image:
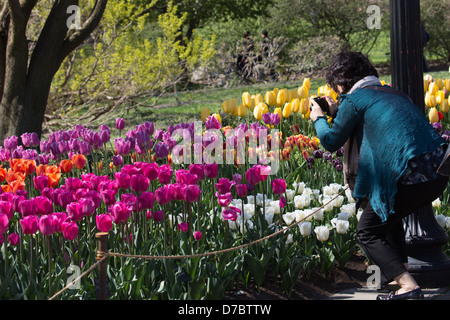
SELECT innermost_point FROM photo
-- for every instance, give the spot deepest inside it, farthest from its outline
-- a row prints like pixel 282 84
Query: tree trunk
pixel 27 82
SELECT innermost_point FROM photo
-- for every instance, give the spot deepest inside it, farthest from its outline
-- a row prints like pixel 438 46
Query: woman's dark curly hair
pixel 347 68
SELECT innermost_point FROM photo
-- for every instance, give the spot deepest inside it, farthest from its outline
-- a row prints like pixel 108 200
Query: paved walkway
pixel 371 294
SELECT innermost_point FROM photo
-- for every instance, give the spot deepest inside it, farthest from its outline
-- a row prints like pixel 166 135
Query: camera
pixel 323 104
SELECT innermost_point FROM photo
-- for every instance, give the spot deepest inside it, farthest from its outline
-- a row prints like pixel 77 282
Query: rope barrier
pixel 147 257
pixel 105 255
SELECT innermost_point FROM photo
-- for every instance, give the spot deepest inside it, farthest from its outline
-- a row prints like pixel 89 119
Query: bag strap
pixel 390 90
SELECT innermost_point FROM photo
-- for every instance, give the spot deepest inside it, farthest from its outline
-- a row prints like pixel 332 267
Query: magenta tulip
pixel 162 195
pixel 165 174
pixel 150 170
pixel 47 225
pixel 252 176
pixel 74 211
pixel 224 199
pixel 224 185
pixel 6 207
pixel 43 205
pixel 40 182
pixel 29 224
pixel 120 212
pixel 282 202
pixel 197 169
pixel 241 190
pixel 278 186
pixel 59 218
pixel 108 197
pixel 158 215
pixel 146 200
pixel 139 183
pixel 211 170
pixel 198 235
pixel 69 229
pixel 87 206
pixel 230 213
pixel 120 123
pixel 190 192
pixel 183 227
pixel 123 180
pixel 13 239
pixel 104 222
pixel 4 222
pixel 27 207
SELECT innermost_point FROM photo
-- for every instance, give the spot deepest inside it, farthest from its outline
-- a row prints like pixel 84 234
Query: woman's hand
pixel 333 105
pixel 316 111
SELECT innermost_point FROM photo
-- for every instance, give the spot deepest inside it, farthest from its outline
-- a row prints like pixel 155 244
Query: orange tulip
pixel 17 185
pixel 2 174
pixel 66 165
pixel 79 161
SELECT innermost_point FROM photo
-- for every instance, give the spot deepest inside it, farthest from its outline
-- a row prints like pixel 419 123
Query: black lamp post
pixel 424 237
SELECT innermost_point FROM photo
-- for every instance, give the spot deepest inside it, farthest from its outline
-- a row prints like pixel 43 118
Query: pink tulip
pixel 146 200
pixel 175 191
pixel 4 222
pixel 69 229
pixel 29 224
pixel 150 170
pixel 211 170
pixel 282 202
pixel 108 197
pixel 278 186
pixel 104 222
pixel 252 176
pixel 130 200
pixel 47 225
pixel 190 192
pixel 139 183
pixel 120 213
pixel 120 123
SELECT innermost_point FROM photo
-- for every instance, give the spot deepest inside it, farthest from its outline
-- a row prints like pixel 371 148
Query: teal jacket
pixel 391 130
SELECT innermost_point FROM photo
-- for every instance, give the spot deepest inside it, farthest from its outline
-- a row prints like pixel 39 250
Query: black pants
pixel 384 243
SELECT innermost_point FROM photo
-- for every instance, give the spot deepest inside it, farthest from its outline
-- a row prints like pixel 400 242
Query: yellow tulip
pixel 447 84
pixel 293 94
pixel 307 83
pixel 445 106
pixel 439 83
pixel 302 92
pixel 287 110
pixel 304 106
pixel 246 99
pixel 204 114
pixel 217 116
pixel 433 115
pixel 226 106
pixel 232 107
pixel 270 98
pixel 258 99
pixel 430 100
pixel 432 88
pixel 278 110
pixel 241 111
pixel 258 112
pixel 252 103
pixel 264 107
pixel 440 96
pixel 281 98
pixel 295 105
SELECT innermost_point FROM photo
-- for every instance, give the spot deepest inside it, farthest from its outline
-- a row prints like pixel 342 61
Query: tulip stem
pixel 5 252
pixel 49 255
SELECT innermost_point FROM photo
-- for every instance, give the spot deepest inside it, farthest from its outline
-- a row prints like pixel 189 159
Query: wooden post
pixel 102 269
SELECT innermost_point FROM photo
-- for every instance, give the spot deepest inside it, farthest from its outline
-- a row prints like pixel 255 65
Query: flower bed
pixel 238 176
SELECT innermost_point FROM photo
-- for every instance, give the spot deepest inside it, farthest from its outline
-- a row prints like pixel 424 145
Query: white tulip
pixel 302 201
pixel 343 216
pixel 318 215
pixel 349 208
pixel 322 233
pixel 441 220
pixel 447 222
pixel 305 228
pixel 338 201
pixel 327 191
pixel 290 194
pixel 288 217
pixel 299 187
pixel 341 226
pixel 359 213
pixel 436 203
pixel 335 187
pixel 349 196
